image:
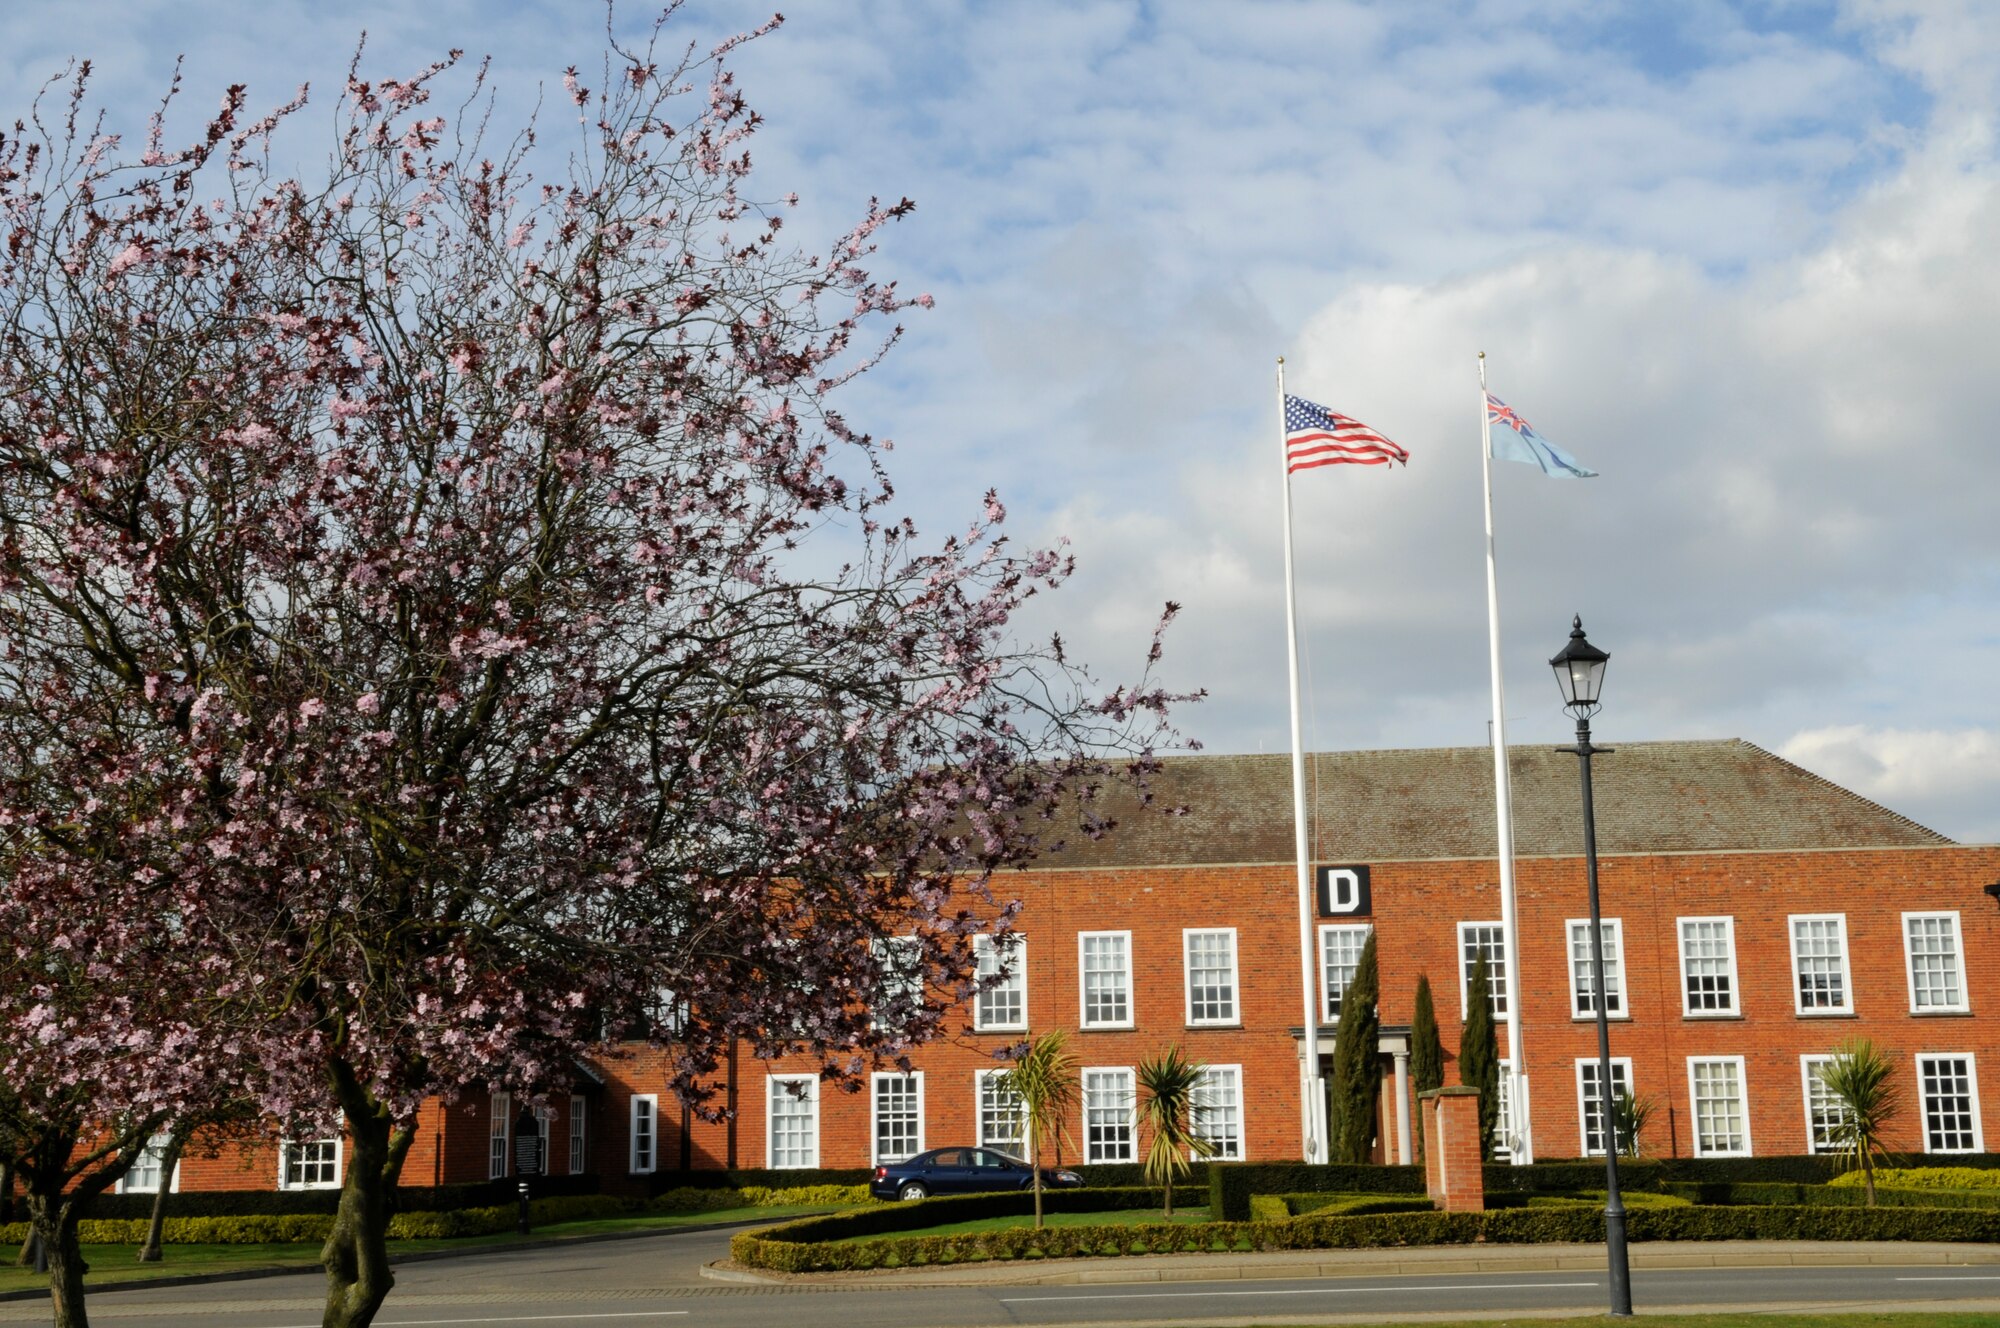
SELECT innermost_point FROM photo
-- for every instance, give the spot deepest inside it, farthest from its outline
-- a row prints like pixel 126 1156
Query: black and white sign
pixel 1343 891
pixel 528 1146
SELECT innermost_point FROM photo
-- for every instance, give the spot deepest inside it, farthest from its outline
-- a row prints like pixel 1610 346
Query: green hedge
pixel 1352 1205
pixel 1925 1178
pixel 1230 1184
pixel 270 1203
pixel 1831 1196
pixel 660 1182
pixel 484 1220
pixel 806 1247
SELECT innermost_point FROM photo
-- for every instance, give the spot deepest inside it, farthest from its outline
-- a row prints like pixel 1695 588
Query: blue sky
pixel 1736 257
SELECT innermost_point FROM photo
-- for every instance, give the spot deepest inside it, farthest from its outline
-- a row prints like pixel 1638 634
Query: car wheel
pixel 910 1193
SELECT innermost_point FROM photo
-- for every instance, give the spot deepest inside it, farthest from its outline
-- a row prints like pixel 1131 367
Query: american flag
pixel 1316 436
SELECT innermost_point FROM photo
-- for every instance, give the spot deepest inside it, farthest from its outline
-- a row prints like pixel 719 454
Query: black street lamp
pixel 1580 674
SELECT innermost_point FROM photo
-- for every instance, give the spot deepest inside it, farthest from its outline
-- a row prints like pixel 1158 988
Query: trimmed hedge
pixel 660 1182
pixel 1924 1178
pixel 1353 1205
pixel 271 1203
pixel 1807 1169
pixel 805 1246
pixel 1230 1184
pixel 1831 1196
pixel 484 1220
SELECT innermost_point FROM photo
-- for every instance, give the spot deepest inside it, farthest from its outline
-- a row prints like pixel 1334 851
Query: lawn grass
pixel 110 1264
pixel 1122 1217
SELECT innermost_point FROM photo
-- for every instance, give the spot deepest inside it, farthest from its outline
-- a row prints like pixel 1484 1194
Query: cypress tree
pixel 1357 1068
pixel 1426 1052
pixel 1479 1055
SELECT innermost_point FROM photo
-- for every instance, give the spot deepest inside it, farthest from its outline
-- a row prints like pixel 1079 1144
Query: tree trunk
pixel 150 1251
pixel 356 1253
pixel 54 1219
pixel 1035 1165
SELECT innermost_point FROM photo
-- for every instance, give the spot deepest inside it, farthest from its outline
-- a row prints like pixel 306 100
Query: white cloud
pixel 1953 774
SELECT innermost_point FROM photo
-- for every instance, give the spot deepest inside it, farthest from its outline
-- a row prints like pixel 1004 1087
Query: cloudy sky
pixel 1737 257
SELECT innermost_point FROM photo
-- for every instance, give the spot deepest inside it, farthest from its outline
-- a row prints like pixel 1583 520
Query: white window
pixel 1003 1005
pixel 1217 1111
pixel 900 959
pixel 1211 975
pixel 1949 1087
pixel 1721 1114
pixel 1487 940
pixel 499 1119
pixel 1503 1119
pixel 1108 1133
pixel 1339 956
pixel 145 1174
pixel 645 1156
pixel 1821 983
pixel 1708 966
pixel 896 1114
pixel 1002 1124
pixel 1590 1101
pixel 309 1164
pixel 1105 958
pixel 794 1121
pixel 579 1154
pixel 1824 1114
pixel 1930 943
pixel 667 1013
pixel 1583 969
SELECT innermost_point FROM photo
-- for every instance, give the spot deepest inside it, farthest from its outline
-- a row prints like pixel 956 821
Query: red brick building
pixel 1755 916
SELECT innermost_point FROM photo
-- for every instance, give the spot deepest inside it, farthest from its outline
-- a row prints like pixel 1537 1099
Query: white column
pixel 1403 1107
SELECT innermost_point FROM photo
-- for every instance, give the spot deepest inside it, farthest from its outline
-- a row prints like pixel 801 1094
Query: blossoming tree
pixel 513 627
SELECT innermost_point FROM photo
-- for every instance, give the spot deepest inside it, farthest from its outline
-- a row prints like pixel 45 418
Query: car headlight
pixel 1069 1177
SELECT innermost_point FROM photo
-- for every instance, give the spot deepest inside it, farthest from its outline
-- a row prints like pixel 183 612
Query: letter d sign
pixel 1343 892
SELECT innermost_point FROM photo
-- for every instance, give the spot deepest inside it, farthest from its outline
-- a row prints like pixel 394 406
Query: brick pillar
pixel 1453 1167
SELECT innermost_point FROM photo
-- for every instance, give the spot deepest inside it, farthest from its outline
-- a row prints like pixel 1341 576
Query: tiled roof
pixel 1651 797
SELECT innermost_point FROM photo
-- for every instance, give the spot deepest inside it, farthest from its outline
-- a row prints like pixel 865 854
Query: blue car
pixel 962 1171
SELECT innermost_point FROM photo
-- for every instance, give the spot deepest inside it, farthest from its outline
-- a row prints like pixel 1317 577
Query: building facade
pixel 1755 917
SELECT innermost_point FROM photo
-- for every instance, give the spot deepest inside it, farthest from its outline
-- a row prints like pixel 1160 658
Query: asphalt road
pixel 657 1281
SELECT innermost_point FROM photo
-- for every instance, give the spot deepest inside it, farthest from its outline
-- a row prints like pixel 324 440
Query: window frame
pixel 1614 970
pixel 499 1133
pixel 1083 981
pixel 285 1147
pixel 1807 1062
pixel 1497 978
pixel 1242 1152
pixel 1017 1146
pixel 875 1154
pixel 156 1148
pixel 651 1102
pixel 1743 1101
pixel 1131 1092
pixel 1972 1092
pixel 1234 1019
pixel 1964 1004
pixel 579 1134
pixel 892 980
pixel 1590 1063
pixel 1799 1007
pixel 771 1082
pixel 1017 979
pixel 1735 1008
pixel 1328 1012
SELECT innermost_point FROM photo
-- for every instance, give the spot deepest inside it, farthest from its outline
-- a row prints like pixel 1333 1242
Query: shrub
pixel 1351 1205
pixel 1829 1195
pixel 1266 1208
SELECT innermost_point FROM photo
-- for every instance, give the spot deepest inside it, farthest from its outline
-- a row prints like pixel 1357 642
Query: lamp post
pixel 1580 674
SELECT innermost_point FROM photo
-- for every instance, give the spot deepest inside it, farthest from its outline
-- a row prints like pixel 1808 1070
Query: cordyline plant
pixel 496 623
pixel 1170 1110
pixel 1862 1080
pixel 1042 1080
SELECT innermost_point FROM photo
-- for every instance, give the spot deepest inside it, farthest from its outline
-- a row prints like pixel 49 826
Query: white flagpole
pixel 1514 1084
pixel 1311 1107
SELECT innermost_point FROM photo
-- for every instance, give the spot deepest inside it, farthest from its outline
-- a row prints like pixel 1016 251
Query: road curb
pixel 1439 1261
pixel 422 1256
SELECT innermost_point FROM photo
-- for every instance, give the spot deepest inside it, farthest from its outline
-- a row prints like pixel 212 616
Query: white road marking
pixel 1973 1278
pixel 1309 1291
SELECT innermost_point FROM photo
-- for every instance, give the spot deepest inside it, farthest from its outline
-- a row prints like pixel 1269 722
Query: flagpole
pixel 1311 1108
pixel 1514 1084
